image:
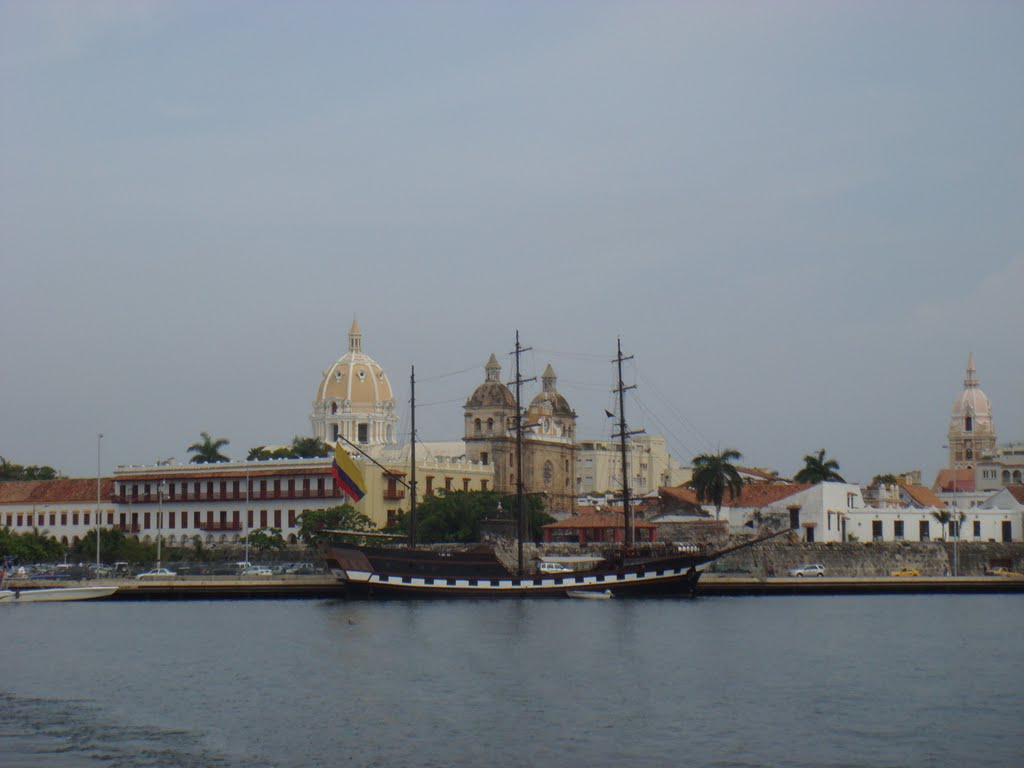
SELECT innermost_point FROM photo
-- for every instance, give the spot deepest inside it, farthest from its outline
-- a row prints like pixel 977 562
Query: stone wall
pixel 874 558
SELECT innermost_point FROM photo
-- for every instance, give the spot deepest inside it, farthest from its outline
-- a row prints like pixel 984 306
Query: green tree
pixel 115 545
pixel 818 470
pixel 313 523
pixel 309 448
pixel 262 539
pixel 11 471
pixel 455 516
pixel 33 546
pixel 887 480
pixel 944 517
pixel 207 450
pixel 714 476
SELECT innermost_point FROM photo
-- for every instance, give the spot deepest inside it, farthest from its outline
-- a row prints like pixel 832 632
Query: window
pixel 430 486
pixel 923 531
pixel 851 499
pixel 170 520
pixel 476 426
pixel 263 518
pixel 146 520
pixel 1007 531
pixel 484 458
pixel 249 518
pixel 291 518
pixel 968 424
pixel 465 483
pixel 363 435
pixel 483 485
pixel 277 518
pixel 876 530
pixel 897 530
pixel 977 529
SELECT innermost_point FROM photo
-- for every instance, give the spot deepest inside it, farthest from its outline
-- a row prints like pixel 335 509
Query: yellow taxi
pixel 906 572
pixel 1000 571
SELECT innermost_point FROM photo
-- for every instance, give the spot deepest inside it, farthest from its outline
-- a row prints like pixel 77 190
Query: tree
pixel 33 546
pixel 714 475
pixel 945 517
pixel 263 539
pixel 11 471
pixel 455 516
pixel 818 470
pixel 207 450
pixel 887 480
pixel 313 523
pixel 309 448
pixel 261 453
pixel 115 545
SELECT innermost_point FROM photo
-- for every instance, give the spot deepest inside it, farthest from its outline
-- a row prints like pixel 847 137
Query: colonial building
pixel 354 400
pixel 599 466
pixel 549 441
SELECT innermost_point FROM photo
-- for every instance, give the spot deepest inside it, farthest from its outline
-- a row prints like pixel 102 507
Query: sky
pixel 799 218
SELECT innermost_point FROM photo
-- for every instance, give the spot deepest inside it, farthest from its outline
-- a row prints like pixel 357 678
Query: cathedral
pixel 549 439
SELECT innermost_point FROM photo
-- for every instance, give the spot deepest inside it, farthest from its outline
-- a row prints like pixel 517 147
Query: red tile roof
pixel 954 480
pixel 925 497
pixel 1017 491
pixel 55 491
pixel 753 494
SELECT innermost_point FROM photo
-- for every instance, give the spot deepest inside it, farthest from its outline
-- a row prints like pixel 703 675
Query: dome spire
pixel 548 379
pixel 972 372
pixel 355 338
pixel 493 369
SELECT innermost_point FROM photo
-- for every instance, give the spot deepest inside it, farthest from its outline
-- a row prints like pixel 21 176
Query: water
pixel 724 682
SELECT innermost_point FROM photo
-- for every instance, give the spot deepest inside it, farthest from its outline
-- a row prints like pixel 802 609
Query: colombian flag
pixel 347 474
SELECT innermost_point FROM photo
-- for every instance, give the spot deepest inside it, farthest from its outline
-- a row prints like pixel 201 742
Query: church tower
pixel 972 433
pixel 490 427
pixel 354 400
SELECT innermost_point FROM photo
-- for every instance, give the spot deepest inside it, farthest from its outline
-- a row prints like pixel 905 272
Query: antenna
pixel 521 517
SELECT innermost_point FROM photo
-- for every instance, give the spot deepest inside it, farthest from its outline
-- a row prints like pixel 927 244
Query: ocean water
pixel 725 682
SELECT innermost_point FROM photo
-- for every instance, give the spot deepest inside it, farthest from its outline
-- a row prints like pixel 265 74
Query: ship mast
pixel 623 433
pixel 412 459
pixel 521 526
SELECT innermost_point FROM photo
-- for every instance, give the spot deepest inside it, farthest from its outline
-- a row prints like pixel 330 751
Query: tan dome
pixel 355 377
pixel 549 400
pixel 492 393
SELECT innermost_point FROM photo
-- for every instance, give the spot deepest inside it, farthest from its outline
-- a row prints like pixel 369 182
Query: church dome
pixel 354 399
pixel 972 402
pixel 492 393
pixel 549 400
pixel 355 377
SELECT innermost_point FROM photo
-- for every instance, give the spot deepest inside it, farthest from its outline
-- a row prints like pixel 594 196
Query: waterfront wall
pixel 876 559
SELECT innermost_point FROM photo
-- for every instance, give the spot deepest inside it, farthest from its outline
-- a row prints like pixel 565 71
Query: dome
pixel 492 393
pixel 549 400
pixel 972 401
pixel 354 399
pixel 355 378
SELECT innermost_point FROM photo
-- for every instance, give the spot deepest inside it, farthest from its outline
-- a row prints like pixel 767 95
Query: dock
pixel 711 585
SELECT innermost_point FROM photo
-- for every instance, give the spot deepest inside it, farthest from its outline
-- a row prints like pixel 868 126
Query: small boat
pixel 57 594
pixel 588 595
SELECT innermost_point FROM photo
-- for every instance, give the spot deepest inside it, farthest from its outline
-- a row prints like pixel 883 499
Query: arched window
pixel 1006 475
pixel 334 407
pixel 970 454
pixel 968 424
pixel 1016 476
pixel 490 425
pixel 476 426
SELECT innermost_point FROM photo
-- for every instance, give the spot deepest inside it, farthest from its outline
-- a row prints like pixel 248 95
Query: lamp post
pixel 99 438
pixel 161 489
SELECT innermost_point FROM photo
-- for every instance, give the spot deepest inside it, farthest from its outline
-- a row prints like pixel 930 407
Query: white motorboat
pixel 57 594
pixel 590 594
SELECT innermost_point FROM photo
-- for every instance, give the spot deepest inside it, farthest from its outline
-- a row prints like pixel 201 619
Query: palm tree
pixel 714 475
pixel 309 447
pixel 818 470
pixel 945 517
pixel 207 451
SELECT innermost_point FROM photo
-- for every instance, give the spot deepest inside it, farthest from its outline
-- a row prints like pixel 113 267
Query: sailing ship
pixel 377 565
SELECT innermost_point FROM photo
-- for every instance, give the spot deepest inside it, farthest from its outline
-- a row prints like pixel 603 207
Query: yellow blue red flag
pixel 347 474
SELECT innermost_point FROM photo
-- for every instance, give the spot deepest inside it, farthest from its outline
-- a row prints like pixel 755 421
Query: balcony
pixel 394 495
pixel 219 526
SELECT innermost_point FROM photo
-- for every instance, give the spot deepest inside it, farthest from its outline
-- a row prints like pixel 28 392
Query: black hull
pixel 374 573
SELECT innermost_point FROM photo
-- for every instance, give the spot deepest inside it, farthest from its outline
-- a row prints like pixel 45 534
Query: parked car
pixel 545 567
pixel 157 573
pixel 1000 571
pixel 811 569
pixel 906 572
pixel 258 570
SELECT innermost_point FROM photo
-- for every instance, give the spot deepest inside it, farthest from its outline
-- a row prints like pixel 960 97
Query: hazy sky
pixel 799 217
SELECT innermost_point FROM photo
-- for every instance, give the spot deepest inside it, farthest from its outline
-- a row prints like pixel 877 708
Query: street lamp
pixel 161 489
pixel 99 437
